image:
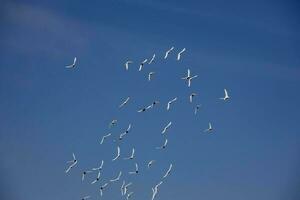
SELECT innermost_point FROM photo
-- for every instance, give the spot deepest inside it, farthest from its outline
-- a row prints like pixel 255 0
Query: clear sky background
pixel 47 112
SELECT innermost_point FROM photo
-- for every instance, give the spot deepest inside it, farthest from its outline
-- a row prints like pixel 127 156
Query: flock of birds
pixel 125 190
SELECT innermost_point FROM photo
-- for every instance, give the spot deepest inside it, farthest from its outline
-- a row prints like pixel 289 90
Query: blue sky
pixel 47 112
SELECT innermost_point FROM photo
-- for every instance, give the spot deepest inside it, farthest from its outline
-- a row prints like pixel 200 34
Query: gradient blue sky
pixel 47 112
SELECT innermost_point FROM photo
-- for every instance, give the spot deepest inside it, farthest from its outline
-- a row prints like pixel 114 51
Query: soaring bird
pixel 84 173
pixel 150 75
pixel 152 59
pixel 118 154
pixel 192 96
pixel 136 169
pixel 197 108
pixel 73 163
pixel 131 156
pixel 142 64
pixel 97 179
pixel 104 137
pixel 102 188
pixel 124 102
pixel 100 167
pixel 168 171
pixel 164 145
pixel 127 64
pixel 209 129
pixel 189 77
pixel 73 64
pixel 126 188
pixel 117 178
pixel 168 52
pixel 123 134
pixel 150 163
pixel 170 102
pixel 226 97
pixel 85 197
pixel 166 128
pixel 113 123
pixel 179 54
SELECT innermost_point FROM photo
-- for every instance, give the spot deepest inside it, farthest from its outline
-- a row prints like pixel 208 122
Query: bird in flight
pixel 170 102
pixel 122 187
pixel 126 188
pixel 129 195
pixel 168 171
pixel 152 59
pixel 166 128
pixel 179 54
pixel 150 75
pixel 85 197
pixel 142 64
pixel 127 64
pixel 104 137
pixel 192 96
pixel 98 178
pixel 117 178
pixel 123 134
pixel 226 97
pixel 189 77
pixel 150 163
pixel 102 188
pixel 73 163
pixel 153 104
pixel 168 52
pixel 72 65
pixel 100 167
pixel 164 145
pixel 209 129
pixel 136 169
pixel 113 123
pixel 197 108
pixel 124 102
pixel 118 154
pixel 131 156
pixel 84 173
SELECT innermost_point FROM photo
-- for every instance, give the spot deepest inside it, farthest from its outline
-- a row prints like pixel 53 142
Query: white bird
pixel 150 75
pixel 126 188
pixel 153 104
pixel 152 59
pixel 122 187
pixel 136 169
pixel 104 137
pixel 85 197
pixel 100 167
pixel 145 108
pixel 179 54
pixel 129 195
pixel 170 102
pixel 98 178
pixel 118 154
pixel 127 64
pixel 142 64
pixel 164 145
pixel 189 77
pixel 131 156
pixel 209 128
pixel 167 52
pixel 154 193
pixel 166 127
pixel 117 178
pixel 226 97
pixel 192 96
pixel 197 108
pixel 124 102
pixel 113 123
pixel 168 171
pixel 73 64
pixel 102 188
pixel 84 173
pixel 150 163
pixel 73 163
pixel 156 186
pixel 123 134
